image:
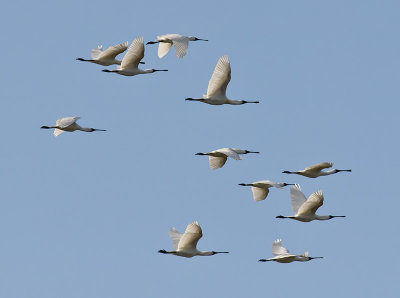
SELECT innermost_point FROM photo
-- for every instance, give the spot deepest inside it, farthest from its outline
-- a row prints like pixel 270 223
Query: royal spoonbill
pixel 185 244
pixel 304 210
pixel 282 255
pixel 107 57
pixel 216 92
pixel 69 124
pixel 180 42
pixel 260 189
pixel 218 157
pixel 315 171
pixel 130 62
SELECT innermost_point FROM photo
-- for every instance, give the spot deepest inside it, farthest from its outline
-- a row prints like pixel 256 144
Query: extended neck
pixel 81 59
pixel 281 216
pixel 244 184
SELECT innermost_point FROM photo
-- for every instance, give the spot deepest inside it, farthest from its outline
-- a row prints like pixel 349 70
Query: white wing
pixel 176 237
pixel 57 132
pixel 297 198
pixel 97 52
pixel 112 51
pixel 65 122
pixel 217 162
pixel 134 55
pixel 220 78
pixel 163 48
pixel 181 46
pixel 312 204
pixel 259 194
pixel 278 249
pixel 319 166
pixel 229 152
pixel 191 236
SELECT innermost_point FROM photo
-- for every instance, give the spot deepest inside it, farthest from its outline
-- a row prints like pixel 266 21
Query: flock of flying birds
pixel 185 245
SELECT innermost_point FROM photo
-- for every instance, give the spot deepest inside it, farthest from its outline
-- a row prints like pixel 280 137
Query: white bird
pixel 260 189
pixel 180 42
pixel 304 209
pixel 315 171
pixel 185 244
pixel 218 157
pixel 282 255
pixel 69 124
pixel 216 92
pixel 107 57
pixel 130 62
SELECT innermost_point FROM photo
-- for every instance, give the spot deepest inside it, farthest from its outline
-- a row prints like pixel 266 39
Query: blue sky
pixel 83 214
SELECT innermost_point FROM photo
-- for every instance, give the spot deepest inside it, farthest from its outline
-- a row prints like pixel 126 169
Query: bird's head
pixel 193 38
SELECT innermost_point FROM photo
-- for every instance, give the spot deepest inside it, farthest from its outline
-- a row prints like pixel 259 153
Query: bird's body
pixel 69 124
pixel 107 57
pixel 180 42
pixel 282 255
pixel 130 63
pixel 185 244
pixel 315 171
pixel 218 157
pixel 216 92
pixel 261 188
pixel 303 208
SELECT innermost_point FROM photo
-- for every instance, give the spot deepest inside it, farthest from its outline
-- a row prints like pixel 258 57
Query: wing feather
pixel 176 237
pixel 163 48
pixel 191 236
pixel 97 52
pixel 259 194
pixel 319 166
pixel 297 197
pixel 217 162
pixel 65 122
pixel 315 201
pixel 229 152
pixel 220 78
pixel 278 249
pixel 112 51
pixel 181 46
pixel 134 55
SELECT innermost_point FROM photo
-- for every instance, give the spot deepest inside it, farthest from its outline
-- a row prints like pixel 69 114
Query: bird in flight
pixel 315 171
pixel 185 244
pixel 261 188
pixel 304 209
pixel 69 124
pixel 218 157
pixel 180 42
pixel 216 92
pixel 282 255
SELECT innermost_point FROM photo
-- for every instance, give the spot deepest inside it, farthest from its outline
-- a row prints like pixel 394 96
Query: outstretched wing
pixel 112 51
pixel 297 197
pixel 259 194
pixel 278 249
pixel 163 48
pixel 65 122
pixel 217 162
pixel 220 78
pixel 97 52
pixel 181 46
pixel 315 201
pixel 319 166
pixel 191 236
pixel 176 237
pixel 57 132
pixel 134 55
pixel 229 152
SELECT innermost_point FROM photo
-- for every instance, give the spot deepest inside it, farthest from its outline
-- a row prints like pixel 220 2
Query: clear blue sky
pixel 83 215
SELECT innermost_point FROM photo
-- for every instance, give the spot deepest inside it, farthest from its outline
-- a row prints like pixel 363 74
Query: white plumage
pixel 69 124
pixel 130 62
pixel 261 188
pixel 107 57
pixel 216 91
pixel 185 245
pixel 180 42
pixel 303 208
pixel 315 171
pixel 282 255
pixel 218 157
